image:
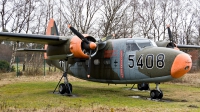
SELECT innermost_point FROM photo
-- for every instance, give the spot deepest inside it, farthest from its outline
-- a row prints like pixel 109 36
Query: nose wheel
pixel 156 94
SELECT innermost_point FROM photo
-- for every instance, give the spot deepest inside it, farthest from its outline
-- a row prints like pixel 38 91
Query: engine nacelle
pixel 167 44
pixel 79 49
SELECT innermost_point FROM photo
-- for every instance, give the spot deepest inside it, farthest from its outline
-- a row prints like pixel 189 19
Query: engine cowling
pixel 80 49
pixel 167 44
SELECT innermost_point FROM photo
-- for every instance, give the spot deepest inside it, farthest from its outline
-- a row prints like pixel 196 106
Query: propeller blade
pixel 78 34
pixel 89 64
pixel 170 35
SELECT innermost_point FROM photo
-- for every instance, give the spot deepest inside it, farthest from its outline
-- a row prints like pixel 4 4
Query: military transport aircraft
pixel 106 60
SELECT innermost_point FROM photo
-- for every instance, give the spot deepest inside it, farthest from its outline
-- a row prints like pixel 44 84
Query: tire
pixel 146 86
pixel 62 88
pixel 143 86
pixel 67 89
pixel 160 94
pixel 153 94
pixel 139 86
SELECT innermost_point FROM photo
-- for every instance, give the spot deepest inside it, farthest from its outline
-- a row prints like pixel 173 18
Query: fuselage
pixel 126 61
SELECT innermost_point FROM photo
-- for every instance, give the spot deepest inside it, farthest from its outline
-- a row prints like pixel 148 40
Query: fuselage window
pixel 96 61
pixel 106 61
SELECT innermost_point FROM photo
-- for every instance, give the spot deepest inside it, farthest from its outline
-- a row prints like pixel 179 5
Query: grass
pixel 35 94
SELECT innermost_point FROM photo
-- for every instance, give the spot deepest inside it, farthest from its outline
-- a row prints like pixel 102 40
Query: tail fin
pixel 51 30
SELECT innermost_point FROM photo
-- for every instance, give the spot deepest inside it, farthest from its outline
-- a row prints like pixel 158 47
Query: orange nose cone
pixel 181 65
pixel 92 45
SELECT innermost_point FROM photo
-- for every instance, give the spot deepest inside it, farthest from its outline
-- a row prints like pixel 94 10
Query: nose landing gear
pixel 156 94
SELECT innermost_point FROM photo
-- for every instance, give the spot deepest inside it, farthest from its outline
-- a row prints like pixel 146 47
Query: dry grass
pixel 189 79
pixel 7 78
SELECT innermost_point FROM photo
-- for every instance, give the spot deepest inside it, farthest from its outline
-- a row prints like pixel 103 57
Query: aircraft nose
pixel 181 65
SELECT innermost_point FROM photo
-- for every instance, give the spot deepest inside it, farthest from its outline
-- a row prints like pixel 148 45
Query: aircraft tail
pixel 51 30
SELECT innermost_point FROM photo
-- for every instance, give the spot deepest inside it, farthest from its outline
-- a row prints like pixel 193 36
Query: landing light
pixel 187 67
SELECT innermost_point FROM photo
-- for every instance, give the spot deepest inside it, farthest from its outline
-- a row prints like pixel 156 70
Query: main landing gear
pixel 143 86
pixel 156 94
pixel 65 87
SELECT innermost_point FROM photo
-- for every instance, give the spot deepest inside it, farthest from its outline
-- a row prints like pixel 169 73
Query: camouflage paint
pixel 155 52
pixel 151 64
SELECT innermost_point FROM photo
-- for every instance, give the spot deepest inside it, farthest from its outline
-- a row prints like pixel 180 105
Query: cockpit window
pixel 131 45
pixel 144 43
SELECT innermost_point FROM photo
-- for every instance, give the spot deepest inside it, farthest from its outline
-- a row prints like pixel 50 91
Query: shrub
pixel 4 66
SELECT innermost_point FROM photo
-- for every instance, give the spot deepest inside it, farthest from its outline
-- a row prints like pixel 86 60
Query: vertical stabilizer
pixel 51 30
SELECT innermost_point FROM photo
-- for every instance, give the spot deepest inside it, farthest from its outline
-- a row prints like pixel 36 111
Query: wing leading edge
pixel 32 38
pixel 188 46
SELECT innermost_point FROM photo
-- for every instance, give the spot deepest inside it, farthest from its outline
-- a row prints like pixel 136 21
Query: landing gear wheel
pixel 160 94
pixel 155 94
pixel 62 88
pixel 69 90
pixel 143 86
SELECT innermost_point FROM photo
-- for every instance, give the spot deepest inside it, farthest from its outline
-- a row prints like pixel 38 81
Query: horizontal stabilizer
pixel 56 57
pixel 31 50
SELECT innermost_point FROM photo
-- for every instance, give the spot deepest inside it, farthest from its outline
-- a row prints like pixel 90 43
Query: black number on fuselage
pixel 132 60
pixel 160 60
pixel 140 61
pixel 149 61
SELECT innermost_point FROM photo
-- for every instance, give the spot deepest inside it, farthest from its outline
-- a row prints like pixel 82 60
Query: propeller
pixel 170 36
pixel 88 45
pixel 89 64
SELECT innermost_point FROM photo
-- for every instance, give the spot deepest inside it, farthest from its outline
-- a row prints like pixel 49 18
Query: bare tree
pixel 187 23
pixel 21 17
pixel 134 5
pixel 145 15
pixel 6 14
pixel 79 13
pixel 112 12
pixel 175 19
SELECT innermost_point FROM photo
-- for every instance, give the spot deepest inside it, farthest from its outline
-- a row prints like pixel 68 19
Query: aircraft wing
pixel 32 38
pixel 188 46
pixel 30 50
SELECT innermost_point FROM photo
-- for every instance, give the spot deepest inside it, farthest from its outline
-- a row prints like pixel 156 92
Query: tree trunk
pixel 13 55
